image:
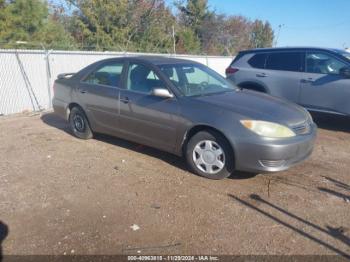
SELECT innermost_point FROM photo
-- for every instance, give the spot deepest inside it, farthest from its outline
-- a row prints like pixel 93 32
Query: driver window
pixel 321 63
pixel 142 79
pixel 108 75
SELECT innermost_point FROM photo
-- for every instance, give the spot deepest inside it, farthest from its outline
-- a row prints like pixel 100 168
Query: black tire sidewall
pixel 218 138
pixel 87 134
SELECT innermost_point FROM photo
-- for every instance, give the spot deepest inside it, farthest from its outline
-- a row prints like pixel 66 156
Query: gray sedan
pixel 185 108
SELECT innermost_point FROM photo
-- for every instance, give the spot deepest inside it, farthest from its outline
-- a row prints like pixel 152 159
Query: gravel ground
pixel 61 195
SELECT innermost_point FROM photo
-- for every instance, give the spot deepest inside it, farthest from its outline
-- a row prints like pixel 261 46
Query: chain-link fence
pixel 27 76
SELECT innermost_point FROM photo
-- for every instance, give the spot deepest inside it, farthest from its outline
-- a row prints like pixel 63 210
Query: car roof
pixel 299 48
pixel 155 60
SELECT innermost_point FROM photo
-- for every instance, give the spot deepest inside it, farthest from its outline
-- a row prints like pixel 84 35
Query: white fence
pixel 27 76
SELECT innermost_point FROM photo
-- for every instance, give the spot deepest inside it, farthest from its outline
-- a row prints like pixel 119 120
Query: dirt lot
pixel 62 195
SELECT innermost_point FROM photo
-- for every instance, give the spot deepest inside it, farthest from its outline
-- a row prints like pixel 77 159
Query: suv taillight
pixel 231 70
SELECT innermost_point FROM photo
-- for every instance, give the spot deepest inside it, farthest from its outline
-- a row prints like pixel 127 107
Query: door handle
pixel 83 91
pixel 125 100
pixel 261 75
pixel 308 80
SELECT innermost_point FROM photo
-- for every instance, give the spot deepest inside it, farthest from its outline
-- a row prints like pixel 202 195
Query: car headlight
pixel 268 129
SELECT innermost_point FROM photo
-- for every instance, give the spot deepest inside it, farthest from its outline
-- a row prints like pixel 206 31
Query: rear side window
pixel 285 61
pixel 258 61
pixel 108 75
pixel 239 56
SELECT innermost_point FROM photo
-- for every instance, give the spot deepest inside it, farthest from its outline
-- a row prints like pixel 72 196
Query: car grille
pixel 302 129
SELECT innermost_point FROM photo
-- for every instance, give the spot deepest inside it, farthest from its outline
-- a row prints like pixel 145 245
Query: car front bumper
pixel 261 155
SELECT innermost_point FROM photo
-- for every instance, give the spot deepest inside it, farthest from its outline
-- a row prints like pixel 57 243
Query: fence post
pixel 48 76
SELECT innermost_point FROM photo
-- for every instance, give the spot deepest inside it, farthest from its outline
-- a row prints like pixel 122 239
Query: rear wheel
pixel 209 155
pixel 79 123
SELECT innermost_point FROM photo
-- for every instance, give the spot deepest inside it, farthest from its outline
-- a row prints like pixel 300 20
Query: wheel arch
pixel 250 85
pixel 202 127
pixel 69 108
pixel 74 104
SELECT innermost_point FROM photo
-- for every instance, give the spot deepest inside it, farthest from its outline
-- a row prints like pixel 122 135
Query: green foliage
pixel 220 34
pixel 54 36
pixel 187 42
pixel 134 25
pixel 21 19
pixel 29 21
pixel 128 25
pixel 262 34
pixel 193 14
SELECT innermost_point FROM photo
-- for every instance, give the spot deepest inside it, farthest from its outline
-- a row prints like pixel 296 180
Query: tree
pixel 29 21
pixel 187 42
pixel 154 30
pixel 128 25
pixel 193 14
pixel 20 20
pixel 54 36
pixel 124 25
pixel 262 34
pixel 236 35
pixel 93 23
pixel 219 34
pixel 211 32
pixel 190 20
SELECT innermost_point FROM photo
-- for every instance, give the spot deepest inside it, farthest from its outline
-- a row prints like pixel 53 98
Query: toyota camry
pixel 187 109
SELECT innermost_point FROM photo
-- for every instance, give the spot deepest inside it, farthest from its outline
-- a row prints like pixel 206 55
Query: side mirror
pixel 162 92
pixel 345 72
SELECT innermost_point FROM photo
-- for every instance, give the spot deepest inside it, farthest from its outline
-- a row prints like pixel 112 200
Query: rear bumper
pixel 260 156
pixel 60 108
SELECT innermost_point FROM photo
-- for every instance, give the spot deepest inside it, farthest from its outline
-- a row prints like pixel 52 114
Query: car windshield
pixel 196 80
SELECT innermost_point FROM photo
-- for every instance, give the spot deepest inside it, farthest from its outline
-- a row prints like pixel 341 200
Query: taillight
pixel 231 70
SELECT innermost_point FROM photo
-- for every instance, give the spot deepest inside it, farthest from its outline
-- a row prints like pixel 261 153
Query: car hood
pixel 258 106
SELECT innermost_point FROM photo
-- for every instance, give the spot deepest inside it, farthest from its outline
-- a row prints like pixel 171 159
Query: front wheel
pixel 79 124
pixel 209 155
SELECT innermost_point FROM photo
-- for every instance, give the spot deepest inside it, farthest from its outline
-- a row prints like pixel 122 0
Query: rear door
pixel 98 93
pixel 323 88
pixel 145 118
pixel 282 74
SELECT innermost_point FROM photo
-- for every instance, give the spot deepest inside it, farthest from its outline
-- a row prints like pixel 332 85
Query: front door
pixel 143 117
pixel 323 88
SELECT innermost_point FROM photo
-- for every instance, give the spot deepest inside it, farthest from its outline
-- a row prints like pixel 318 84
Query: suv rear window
pixel 258 61
pixel 285 61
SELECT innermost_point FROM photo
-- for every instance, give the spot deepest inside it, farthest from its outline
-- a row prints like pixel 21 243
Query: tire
pixel 204 157
pixel 79 124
